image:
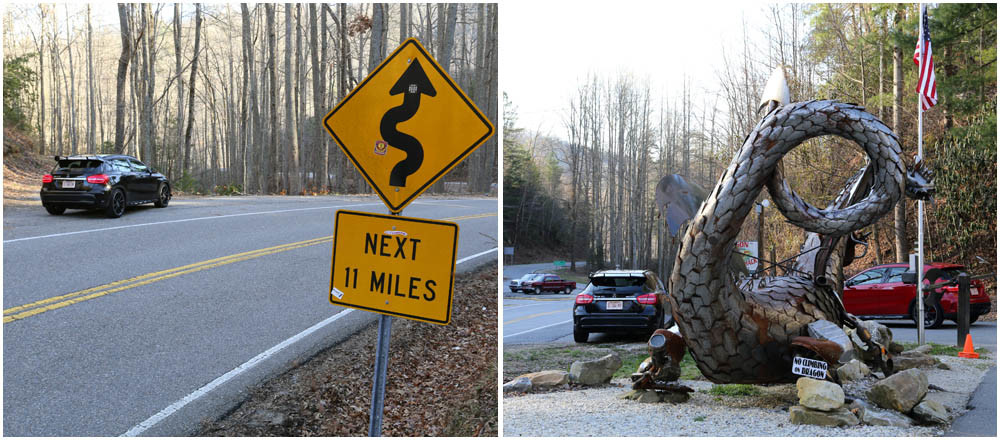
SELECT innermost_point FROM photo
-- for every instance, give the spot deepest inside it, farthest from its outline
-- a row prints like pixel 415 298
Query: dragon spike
pixel 776 93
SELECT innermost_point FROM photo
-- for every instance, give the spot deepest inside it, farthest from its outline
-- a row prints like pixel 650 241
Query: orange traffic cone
pixel 968 352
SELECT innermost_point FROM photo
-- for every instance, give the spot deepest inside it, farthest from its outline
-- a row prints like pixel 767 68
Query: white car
pixel 515 285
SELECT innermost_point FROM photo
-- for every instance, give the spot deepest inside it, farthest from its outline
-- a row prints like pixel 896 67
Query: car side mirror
pixel 909 277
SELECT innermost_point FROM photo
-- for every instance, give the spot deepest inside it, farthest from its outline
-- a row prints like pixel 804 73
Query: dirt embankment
pixel 442 380
pixel 22 170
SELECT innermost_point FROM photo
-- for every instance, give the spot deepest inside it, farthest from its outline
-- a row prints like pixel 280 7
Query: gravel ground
pixel 599 411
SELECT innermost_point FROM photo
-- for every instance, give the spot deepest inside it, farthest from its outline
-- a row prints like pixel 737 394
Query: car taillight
pixel 649 299
pixel 47 178
pixel 583 299
pixel 99 179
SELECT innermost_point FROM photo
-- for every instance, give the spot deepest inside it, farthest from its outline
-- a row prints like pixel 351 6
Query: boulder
pixel 852 371
pixel 819 394
pixel 913 359
pixel 801 415
pixel 901 391
pixel 519 385
pixel 547 378
pixel 871 415
pixel 597 371
pixel 929 411
pixel 925 349
pixel 886 418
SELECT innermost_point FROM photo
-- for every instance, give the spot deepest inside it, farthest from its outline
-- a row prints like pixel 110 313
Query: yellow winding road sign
pixel 406 125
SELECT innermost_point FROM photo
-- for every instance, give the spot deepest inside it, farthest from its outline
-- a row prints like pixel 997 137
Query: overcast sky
pixel 548 48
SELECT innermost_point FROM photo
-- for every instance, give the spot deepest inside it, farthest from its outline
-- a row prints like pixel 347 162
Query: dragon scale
pixel 740 331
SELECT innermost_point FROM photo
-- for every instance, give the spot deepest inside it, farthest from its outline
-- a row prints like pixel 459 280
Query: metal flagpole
pixel 920 203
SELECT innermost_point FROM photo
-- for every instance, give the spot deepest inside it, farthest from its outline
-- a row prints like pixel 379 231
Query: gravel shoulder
pixel 599 411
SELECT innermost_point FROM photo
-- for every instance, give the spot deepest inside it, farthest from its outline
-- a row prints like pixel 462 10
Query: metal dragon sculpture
pixel 747 330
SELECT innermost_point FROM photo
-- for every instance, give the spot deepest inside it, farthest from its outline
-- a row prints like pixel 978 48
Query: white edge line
pixel 474 256
pixel 174 407
pixel 537 328
pixel 187 220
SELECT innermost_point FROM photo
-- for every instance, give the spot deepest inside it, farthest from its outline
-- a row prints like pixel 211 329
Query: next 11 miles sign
pixel 394 265
pixel 404 127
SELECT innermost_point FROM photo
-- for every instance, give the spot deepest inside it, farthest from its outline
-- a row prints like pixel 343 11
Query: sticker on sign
pixel 809 368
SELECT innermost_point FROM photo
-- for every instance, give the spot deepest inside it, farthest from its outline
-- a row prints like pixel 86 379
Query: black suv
pixel 104 181
pixel 621 300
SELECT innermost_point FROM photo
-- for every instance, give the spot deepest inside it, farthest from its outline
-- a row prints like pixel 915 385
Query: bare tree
pixel 291 167
pixel 194 71
pixel 123 61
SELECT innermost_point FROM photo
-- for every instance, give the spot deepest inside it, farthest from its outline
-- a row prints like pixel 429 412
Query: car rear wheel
pixel 973 318
pixel 116 206
pixel 164 198
pixel 933 315
pixel 580 335
pixel 568 290
pixel 55 210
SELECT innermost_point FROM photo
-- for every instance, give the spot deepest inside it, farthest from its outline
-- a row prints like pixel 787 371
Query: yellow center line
pixel 57 302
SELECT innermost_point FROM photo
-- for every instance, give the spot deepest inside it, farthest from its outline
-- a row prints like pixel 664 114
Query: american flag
pixel 922 57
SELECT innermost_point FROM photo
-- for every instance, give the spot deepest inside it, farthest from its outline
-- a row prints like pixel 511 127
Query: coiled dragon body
pixel 741 331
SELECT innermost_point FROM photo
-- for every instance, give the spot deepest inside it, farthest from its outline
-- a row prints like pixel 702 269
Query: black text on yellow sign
pixel 394 265
pixel 406 125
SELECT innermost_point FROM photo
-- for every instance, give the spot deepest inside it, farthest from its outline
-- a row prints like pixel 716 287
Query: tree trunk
pixel 41 81
pixel 180 81
pixel 194 71
pixel 122 72
pixel 73 136
pixel 897 108
pixel 272 146
pixel 291 129
pixel 91 109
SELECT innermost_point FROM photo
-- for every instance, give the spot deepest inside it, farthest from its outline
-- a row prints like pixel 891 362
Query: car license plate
pixel 614 305
pixel 68 184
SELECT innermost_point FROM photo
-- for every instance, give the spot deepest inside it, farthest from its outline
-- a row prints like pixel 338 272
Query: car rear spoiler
pixel 58 158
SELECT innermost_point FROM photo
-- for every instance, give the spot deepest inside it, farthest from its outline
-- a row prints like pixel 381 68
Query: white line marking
pixel 187 220
pixel 474 256
pixel 537 328
pixel 166 412
pixel 174 407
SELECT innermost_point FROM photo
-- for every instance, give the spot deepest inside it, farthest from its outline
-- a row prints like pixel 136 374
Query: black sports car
pixel 621 301
pixel 105 181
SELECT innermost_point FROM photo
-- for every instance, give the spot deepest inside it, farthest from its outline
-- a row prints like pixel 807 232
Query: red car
pixel 879 292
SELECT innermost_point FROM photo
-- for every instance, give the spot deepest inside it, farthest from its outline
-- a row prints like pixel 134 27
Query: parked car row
pixel 542 282
pixel 636 300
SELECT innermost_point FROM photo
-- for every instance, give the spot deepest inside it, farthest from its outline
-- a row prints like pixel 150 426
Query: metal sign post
pixel 406 104
pixel 378 384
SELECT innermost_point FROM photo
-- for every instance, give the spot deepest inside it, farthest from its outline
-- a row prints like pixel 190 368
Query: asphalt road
pixel 534 319
pixel 153 322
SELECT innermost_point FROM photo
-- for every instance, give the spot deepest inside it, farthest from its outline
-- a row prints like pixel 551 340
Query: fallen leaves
pixel 442 380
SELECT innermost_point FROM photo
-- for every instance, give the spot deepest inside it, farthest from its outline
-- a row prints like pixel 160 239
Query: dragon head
pixel 919 181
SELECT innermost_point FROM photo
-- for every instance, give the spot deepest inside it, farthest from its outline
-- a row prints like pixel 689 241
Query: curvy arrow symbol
pixel 413 83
